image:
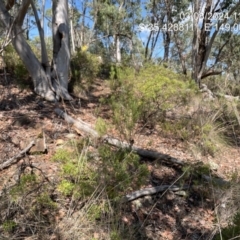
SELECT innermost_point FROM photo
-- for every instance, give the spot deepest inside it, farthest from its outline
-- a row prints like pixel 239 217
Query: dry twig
pixel 14 159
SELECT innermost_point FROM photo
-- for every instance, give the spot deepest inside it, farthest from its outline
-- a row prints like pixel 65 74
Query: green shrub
pixel 146 97
pixel 45 201
pixel 211 136
pixel 62 155
pixel 26 184
pixel 94 211
pixel 27 205
pixel 15 66
pixel 66 187
pixel 122 171
pixel 81 177
pixel 101 127
pixel 78 178
pixel 85 68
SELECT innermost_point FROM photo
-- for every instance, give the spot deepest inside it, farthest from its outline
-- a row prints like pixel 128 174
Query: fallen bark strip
pixel 14 159
pixel 82 126
pixel 150 191
pixel 143 152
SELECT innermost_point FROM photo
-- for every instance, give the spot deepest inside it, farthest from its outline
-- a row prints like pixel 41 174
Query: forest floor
pixel 161 216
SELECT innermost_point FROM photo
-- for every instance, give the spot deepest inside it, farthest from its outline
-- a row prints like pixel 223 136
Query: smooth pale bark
pixel 153 190
pixel 72 37
pixel 117 49
pixel 50 85
pixel 40 81
pixel 117 42
pixel 43 15
pixel 61 53
pixel 45 61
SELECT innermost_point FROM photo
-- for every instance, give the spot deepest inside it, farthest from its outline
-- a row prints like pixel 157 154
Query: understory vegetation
pixel 84 200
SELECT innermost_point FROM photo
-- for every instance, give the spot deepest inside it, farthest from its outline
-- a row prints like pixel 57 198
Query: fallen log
pixel 79 124
pixel 150 154
pixel 17 157
pixel 150 191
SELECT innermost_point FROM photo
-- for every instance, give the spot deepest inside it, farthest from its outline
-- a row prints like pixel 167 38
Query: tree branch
pixel 22 12
pixel 219 24
pixel 150 191
pixel 210 73
pixel 17 157
pixel 220 50
pixel 41 34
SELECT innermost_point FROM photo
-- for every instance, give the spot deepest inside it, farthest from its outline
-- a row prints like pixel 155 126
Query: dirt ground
pixel 161 216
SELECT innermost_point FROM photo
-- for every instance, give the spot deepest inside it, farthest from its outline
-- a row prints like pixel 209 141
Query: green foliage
pixel 8 226
pixel 95 210
pixel 115 235
pixel 146 97
pixel 15 66
pixel 106 181
pixel 62 155
pixel 211 137
pixel 180 128
pixel 85 68
pixel 205 128
pixel 195 172
pixel 78 177
pixel 66 187
pixel 101 127
pixel 230 117
pixel 27 205
pixel 11 58
pixel 232 231
pixel 26 183
pixel 20 72
pixel 122 171
pixel 45 201
pixel 113 72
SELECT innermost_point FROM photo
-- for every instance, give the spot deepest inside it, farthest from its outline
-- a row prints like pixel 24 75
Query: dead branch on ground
pixel 150 154
pixel 14 159
pixel 150 191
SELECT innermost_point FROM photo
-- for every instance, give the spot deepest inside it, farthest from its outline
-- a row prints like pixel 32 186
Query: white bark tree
pixel 50 82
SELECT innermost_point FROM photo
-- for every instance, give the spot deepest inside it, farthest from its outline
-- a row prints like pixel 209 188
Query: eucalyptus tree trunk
pixel 118 55
pixel 50 85
pixel 43 15
pixel 61 48
pixel 72 37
